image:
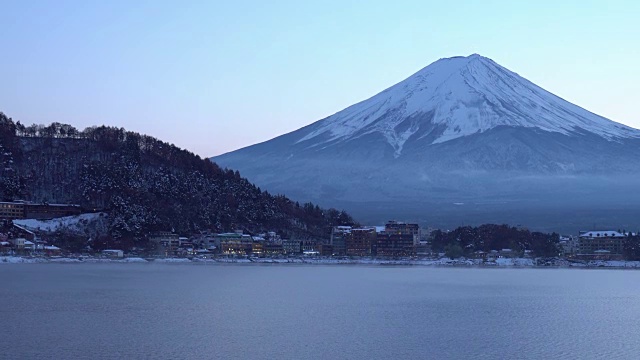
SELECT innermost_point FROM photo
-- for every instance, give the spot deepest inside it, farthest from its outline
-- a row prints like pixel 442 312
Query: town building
pixel 113 253
pixel 11 210
pixel 257 248
pixel 42 211
pixel 325 249
pixel 569 245
pixel 309 245
pixel 165 238
pixel 18 243
pixel 339 235
pixel 5 247
pixel 607 244
pixel 423 248
pixel 23 246
pixel 360 241
pixel 292 246
pixel 272 237
pixel 29 246
pixel 400 227
pixel 479 254
pixel 204 239
pixel 235 243
pixel 46 211
pixel 492 255
pixel 167 242
pixel 51 250
pixel 272 248
pixel 397 239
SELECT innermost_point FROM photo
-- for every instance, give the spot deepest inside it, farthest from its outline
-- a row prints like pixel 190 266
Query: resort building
pixel 29 210
pixel 50 211
pixel 607 244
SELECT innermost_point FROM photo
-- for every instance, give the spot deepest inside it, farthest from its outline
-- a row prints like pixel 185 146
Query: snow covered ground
pixel 514 262
pixel 19 260
pixel 501 262
pixel 608 264
pixel 51 225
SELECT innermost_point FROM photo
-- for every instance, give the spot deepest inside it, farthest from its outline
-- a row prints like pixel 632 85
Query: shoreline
pixel 425 262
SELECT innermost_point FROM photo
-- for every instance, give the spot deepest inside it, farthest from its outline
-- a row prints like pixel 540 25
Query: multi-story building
pixel 50 211
pixel 272 248
pixel 338 239
pixel 400 227
pixel 234 243
pixel 569 245
pixel 257 248
pixel 11 210
pixel 292 246
pixel 29 210
pixel 600 244
pixel 360 241
pixel 309 245
pixel 325 249
pixel 397 239
pixel 165 238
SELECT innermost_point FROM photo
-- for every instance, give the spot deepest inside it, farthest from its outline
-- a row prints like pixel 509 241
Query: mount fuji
pixel 462 141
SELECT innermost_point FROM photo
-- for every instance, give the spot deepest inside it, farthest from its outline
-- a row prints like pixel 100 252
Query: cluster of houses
pixel 395 239
pixel 230 243
pixel 25 242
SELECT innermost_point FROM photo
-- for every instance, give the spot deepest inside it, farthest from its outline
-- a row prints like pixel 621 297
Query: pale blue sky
pixel 214 76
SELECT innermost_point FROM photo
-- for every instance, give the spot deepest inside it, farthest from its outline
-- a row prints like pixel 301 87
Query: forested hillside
pixel 144 184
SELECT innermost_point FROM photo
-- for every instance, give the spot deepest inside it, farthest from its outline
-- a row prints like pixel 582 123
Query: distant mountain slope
pixel 463 130
pixel 143 184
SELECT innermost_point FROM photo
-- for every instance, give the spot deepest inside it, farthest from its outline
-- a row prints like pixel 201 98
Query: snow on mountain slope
pixel 51 225
pixel 462 96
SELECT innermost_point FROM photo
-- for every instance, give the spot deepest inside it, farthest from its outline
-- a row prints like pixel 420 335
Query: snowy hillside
pixel 78 222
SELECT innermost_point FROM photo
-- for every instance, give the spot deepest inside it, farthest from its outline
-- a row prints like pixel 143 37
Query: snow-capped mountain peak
pixel 462 140
pixel 456 97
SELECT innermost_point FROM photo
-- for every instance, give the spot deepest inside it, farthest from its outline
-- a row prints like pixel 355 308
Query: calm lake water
pixel 171 311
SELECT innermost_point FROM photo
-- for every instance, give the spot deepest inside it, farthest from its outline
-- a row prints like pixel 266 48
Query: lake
pixel 189 311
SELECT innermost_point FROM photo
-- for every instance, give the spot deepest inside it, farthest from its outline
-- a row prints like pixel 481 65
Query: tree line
pixel 467 240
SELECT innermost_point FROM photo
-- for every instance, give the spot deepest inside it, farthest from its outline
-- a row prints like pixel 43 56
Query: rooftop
pixel 601 233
